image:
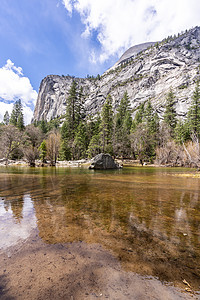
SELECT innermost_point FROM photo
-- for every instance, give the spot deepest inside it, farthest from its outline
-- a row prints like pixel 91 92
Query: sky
pixel 77 37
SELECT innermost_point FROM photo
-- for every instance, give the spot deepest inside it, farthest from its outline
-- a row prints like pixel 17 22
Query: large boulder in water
pixel 103 162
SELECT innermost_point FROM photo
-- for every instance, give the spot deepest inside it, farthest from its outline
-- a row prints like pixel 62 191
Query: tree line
pixel 146 137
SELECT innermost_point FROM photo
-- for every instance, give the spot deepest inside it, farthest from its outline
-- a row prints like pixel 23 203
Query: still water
pixel 148 217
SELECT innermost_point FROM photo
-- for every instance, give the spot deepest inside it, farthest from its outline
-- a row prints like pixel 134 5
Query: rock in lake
pixel 103 162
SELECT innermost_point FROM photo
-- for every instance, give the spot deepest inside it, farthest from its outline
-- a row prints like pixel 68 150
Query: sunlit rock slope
pixel 145 71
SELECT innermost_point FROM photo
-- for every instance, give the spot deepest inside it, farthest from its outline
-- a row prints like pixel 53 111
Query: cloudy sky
pixel 77 37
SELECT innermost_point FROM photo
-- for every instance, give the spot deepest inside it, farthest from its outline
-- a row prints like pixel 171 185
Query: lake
pixel 149 218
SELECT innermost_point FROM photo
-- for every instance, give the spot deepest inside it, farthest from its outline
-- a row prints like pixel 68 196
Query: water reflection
pixel 147 217
pixel 17 220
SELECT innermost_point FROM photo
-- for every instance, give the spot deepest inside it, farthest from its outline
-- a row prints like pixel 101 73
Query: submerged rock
pixel 103 162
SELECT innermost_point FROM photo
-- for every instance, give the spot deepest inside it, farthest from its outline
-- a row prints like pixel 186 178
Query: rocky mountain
pixel 131 53
pixel 145 71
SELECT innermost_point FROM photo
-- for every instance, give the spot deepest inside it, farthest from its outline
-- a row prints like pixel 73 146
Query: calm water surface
pixel 148 217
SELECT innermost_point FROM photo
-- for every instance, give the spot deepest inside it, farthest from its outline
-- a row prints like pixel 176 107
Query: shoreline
pixel 84 163
pixel 35 270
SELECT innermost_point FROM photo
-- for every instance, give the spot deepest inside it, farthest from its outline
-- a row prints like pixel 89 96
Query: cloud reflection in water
pixel 12 231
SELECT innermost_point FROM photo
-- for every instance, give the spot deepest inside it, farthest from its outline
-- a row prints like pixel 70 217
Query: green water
pixel 148 217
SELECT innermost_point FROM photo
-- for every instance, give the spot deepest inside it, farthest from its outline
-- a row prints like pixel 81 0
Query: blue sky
pixel 42 38
pixel 77 37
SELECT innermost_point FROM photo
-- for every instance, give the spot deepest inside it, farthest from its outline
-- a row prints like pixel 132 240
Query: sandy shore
pixel 38 163
pixel 69 163
pixel 74 271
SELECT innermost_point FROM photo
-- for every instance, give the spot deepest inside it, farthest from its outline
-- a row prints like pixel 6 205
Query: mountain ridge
pixel 145 71
pixel 131 53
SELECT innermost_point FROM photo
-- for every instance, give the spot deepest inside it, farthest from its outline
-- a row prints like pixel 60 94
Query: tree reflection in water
pixel 147 217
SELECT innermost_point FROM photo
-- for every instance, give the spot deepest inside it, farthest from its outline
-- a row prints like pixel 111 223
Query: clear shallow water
pixel 148 217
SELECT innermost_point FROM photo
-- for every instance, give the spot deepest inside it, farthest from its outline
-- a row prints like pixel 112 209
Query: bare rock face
pixel 145 71
pixel 132 52
pixel 103 162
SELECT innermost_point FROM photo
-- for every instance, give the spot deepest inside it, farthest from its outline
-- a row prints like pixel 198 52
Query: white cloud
pixel 27 111
pixel 68 5
pixel 10 66
pixel 124 23
pixel 13 86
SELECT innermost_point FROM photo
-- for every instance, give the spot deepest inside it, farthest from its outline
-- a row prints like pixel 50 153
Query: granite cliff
pixel 145 71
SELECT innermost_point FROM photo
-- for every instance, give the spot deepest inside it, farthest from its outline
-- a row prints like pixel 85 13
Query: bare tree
pixel 30 154
pixel 32 140
pixel 168 151
pixel 170 154
pixel 192 152
pixel 53 146
pixel 33 135
pixel 164 134
pixel 10 140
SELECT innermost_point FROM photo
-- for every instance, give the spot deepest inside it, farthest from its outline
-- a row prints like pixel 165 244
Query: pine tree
pixel 72 111
pixel 170 112
pixel 123 122
pixel 65 152
pixel 144 132
pixel 20 121
pixel 80 142
pixel 194 112
pixel 182 132
pixel 92 126
pixel 122 109
pixel 139 117
pixel 151 118
pixel 94 147
pixel 151 121
pixel 66 142
pixel 139 114
pixel 53 124
pixel 80 106
pixel 43 151
pixel 107 125
pixel 43 126
pixel 16 117
pixel 125 133
pixel 64 131
pixel 6 118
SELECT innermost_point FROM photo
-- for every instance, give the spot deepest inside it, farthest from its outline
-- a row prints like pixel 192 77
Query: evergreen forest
pixel 76 135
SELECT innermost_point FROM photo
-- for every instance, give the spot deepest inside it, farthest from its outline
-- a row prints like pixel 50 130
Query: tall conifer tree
pixel 6 118
pixel 71 110
pixel 107 125
pixel 123 122
pixel 151 118
pixel 80 142
pixel 194 112
pixel 20 121
pixel 170 112
pixel 17 118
